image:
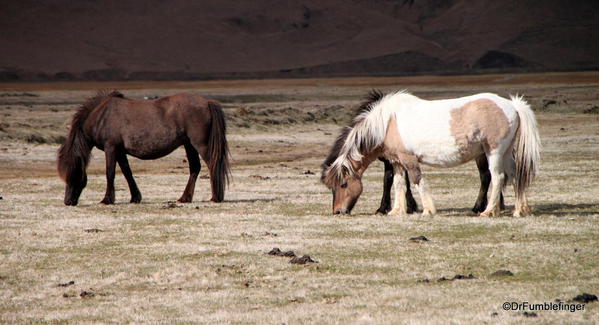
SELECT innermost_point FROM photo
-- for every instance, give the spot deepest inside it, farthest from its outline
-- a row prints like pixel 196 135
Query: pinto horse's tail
pixel 218 151
pixel 526 146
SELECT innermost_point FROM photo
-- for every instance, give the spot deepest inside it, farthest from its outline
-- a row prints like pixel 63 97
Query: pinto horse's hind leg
pixel 133 189
pixel 485 181
pixel 496 167
pixel 111 155
pixel 194 171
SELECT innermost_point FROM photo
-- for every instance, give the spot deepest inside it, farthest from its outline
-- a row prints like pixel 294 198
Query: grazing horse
pixel 412 206
pixel 408 131
pixel 147 130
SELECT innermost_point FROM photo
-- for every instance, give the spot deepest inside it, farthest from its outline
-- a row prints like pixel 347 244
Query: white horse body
pixel 446 133
pixel 424 126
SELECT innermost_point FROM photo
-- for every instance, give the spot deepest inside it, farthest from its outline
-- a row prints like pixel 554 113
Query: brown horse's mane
pixel 91 103
pixel 74 153
pixel 373 96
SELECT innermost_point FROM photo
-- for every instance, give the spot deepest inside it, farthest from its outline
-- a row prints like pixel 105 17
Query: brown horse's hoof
pixel 215 200
pixel 106 202
pixel 135 200
pixel 184 200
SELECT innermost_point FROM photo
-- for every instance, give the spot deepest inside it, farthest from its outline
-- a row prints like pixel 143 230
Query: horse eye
pixel 344 185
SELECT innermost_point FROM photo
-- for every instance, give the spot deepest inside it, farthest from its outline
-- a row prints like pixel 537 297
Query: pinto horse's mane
pixel 74 153
pixel 363 135
pixel 372 97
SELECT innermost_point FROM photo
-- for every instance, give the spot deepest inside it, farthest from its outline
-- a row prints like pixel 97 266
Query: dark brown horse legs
pixel 110 167
pixel 194 171
pixel 387 183
pixel 124 164
pixel 485 180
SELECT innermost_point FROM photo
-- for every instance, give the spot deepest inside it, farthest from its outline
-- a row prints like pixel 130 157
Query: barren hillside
pixel 138 39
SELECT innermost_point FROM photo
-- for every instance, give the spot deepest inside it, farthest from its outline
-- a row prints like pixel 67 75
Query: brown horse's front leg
pixel 194 170
pixel 124 164
pixel 387 183
pixel 110 167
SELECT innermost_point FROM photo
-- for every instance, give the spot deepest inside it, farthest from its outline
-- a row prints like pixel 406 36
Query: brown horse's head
pixel 74 153
pixel 73 157
pixel 74 187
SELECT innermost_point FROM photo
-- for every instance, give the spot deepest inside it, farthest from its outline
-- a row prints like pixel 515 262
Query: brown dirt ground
pixel 206 263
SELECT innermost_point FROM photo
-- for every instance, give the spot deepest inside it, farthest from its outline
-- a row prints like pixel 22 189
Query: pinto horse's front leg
pixel 111 155
pixel 399 184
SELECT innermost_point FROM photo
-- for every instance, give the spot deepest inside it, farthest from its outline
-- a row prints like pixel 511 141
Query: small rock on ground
pixel 502 273
pixel 585 298
pixel 302 260
pixel 277 252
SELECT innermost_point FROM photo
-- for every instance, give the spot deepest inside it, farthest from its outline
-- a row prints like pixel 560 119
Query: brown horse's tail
pixel 218 151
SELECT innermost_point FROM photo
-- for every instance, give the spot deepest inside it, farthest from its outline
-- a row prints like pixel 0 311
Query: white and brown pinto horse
pixel 409 131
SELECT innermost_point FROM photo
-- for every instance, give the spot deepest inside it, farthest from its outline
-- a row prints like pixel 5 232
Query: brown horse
pixel 147 130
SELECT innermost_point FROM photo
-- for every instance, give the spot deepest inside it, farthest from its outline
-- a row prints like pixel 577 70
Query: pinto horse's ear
pixel 344 171
pixel 323 174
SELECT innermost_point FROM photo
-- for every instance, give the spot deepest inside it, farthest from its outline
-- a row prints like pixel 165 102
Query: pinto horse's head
pixel 346 188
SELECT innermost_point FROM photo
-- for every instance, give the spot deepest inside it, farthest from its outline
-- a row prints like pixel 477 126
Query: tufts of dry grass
pixel 158 262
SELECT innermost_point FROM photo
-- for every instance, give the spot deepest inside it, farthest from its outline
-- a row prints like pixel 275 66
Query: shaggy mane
pixel 373 97
pixel 91 103
pixel 73 154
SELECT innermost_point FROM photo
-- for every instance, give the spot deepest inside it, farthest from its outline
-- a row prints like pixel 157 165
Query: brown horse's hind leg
pixel 194 171
pixel 124 164
pixel 485 181
pixel 111 155
pixel 387 183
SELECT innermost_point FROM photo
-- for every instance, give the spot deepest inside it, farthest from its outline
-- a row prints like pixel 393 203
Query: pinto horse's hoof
pixel 397 213
pixel 428 213
pixel 490 214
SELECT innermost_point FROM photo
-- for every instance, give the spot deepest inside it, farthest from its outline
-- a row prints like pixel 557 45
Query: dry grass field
pixel 161 262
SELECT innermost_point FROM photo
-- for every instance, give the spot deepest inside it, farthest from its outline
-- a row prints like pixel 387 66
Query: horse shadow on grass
pixel 166 203
pixel 565 209
pixel 538 210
